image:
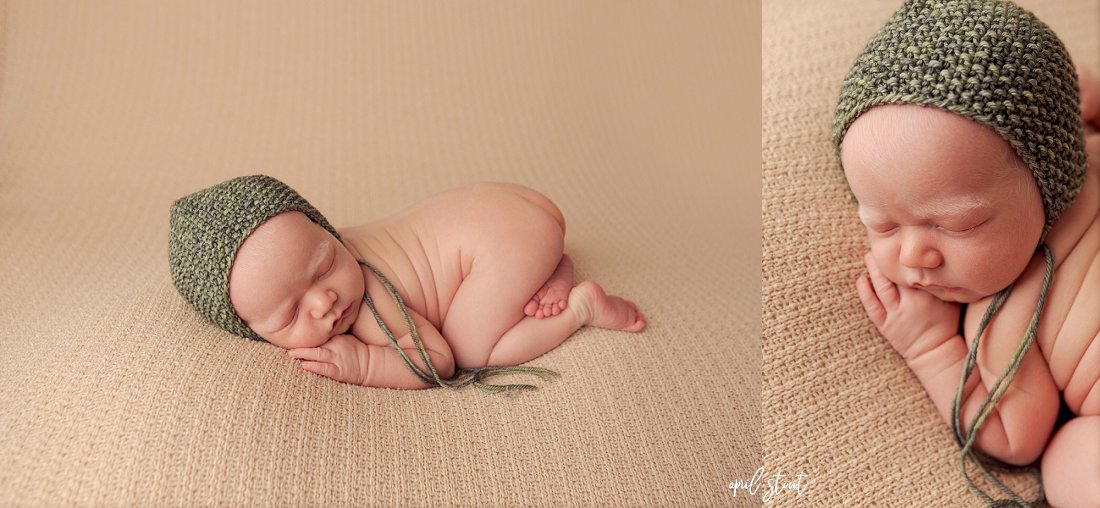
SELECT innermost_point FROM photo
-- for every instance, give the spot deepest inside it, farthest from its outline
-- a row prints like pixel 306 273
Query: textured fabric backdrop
pixel 839 403
pixel 628 114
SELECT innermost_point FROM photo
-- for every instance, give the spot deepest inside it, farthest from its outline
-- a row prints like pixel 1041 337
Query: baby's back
pixel 427 249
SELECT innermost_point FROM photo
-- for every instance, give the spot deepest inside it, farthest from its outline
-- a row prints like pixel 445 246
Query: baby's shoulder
pixel 1071 287
pixel 1070 282
pixel 1077 221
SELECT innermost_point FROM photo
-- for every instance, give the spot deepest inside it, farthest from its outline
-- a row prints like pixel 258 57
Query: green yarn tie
pixel 966 443
pixel 463 376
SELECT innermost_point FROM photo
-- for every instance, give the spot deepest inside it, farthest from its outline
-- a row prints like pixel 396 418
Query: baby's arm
pixel 1029 408
pixel 367 358
pixel 923 329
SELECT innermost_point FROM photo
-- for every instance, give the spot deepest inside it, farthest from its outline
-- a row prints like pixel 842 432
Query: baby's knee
pixel 1071 464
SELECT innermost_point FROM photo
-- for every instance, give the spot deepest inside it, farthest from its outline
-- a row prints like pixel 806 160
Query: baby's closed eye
pixel 880 227
pixel 961 227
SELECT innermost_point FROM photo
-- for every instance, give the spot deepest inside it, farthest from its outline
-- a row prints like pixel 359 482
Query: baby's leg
pixel 524 248
pixel 552 297
pixel 588 305
pixel 1071 464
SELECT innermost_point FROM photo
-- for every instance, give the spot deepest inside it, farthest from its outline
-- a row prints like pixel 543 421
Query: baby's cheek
pixel 990 268
pixel 886 257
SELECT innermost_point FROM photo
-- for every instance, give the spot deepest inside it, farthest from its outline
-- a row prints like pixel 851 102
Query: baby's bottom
pixel 486 325
pixel 1071 464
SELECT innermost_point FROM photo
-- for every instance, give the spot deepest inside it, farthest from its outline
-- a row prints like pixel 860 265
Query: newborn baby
pixel 479 272
pixel 960 136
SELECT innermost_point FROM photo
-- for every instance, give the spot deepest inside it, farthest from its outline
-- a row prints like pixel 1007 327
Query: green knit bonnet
pixel 987 60
pixel 209 226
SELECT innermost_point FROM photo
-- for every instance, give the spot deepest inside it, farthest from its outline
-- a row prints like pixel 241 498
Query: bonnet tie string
pixel 966 442
pixel 463 376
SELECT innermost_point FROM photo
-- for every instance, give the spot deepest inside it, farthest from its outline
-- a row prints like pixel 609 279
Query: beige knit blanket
pixel 114 392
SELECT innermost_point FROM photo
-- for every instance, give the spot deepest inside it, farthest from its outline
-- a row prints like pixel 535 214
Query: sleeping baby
pixel 461 285
pixel 960 134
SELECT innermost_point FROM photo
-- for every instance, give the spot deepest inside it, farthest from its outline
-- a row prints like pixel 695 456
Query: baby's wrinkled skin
pixel 954 216
pixel 481 270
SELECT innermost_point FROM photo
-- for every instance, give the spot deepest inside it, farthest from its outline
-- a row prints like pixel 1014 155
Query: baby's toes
pixel 639 323
pixel 531 308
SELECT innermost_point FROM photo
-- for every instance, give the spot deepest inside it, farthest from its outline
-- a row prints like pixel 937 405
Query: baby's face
pixel 948 205
pixel 295 284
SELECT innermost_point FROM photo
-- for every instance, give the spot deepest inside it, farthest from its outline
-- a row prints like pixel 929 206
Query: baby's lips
pixel 340 317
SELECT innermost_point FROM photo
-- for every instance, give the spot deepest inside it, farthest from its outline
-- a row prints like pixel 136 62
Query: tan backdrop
pixel 637 118
pixel 839 403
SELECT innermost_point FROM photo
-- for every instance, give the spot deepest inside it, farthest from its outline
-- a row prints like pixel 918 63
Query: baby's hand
pixel 912 321
pixel 343 358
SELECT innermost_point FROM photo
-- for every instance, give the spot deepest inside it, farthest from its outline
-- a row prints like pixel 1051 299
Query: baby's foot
pixel 552 298
pixel 606 311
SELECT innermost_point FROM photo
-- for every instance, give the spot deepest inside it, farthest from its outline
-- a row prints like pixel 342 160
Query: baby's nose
pixel 325 304
pixel 917 252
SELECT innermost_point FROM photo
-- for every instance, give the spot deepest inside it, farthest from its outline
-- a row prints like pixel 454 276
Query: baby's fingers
pixel 315 354
pixel 886 290
pixel 870 301
pixel 321 368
